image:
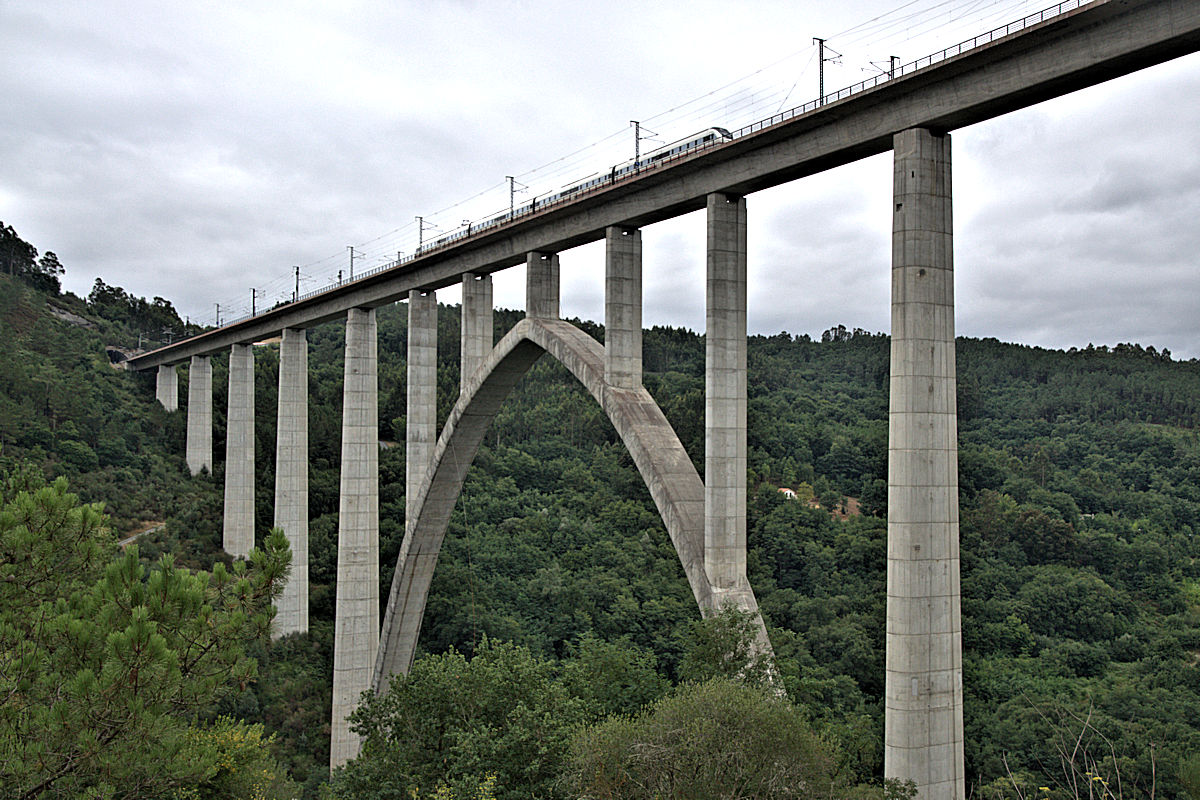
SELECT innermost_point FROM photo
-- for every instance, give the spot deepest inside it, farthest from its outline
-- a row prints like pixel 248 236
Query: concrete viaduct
pixel 1063 49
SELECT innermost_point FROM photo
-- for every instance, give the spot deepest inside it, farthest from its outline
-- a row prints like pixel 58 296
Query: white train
pixel 692 143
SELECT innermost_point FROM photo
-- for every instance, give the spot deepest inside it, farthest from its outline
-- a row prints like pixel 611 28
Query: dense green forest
pixel 558 601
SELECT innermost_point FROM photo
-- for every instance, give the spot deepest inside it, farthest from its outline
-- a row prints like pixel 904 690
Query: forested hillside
pixel 1080 503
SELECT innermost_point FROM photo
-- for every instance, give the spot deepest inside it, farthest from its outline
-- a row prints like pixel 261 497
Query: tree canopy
pixel 101 658
pixel 1078 472
pixel 19 259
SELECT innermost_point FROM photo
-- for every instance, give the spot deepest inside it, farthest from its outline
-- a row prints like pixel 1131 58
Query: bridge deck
pixel 1095 43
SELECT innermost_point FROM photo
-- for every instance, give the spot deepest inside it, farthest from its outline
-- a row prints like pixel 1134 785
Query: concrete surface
pixel 166 389
pixel 199 415
pixel 238 530
pixel 725 396
pixel 477 332
pixel 923 724
pixel 541 285
pixel 291 478
pixel 356 623
pixel 659 457
pixel 623 307
pixel 421 414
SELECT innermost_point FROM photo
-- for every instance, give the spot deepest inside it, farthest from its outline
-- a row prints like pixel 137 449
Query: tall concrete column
pixel 476 323
pixel 421 416
pixel 356 623
pixel 623 307
pixel 166 389
pixel 725 398
pixel 923 739
pixel 541 286
pixel 291 478
pixel 199 415
pixel 239 453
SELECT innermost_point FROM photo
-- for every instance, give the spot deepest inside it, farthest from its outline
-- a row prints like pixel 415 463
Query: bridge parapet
pixel 1002 71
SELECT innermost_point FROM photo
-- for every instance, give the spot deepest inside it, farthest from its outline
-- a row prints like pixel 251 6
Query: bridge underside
pixel 1098 42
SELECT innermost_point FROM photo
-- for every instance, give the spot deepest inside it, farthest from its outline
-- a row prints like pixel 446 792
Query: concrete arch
pixel 657 452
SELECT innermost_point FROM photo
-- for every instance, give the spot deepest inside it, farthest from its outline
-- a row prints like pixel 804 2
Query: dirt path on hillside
pixel 146 527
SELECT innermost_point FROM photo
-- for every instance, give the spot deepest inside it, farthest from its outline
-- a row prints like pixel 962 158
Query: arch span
pixel 657 452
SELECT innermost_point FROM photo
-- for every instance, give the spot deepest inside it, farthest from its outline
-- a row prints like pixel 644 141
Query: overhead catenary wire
pixel 738 102
pixel 925 21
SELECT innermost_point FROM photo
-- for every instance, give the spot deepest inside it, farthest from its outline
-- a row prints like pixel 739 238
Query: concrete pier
pixel 725 399
pixel 199 415
pixel 476 323
pixel 356 626
pixel 238 539
pixel 541 286
pixel 291 478
pixel 623 307
pixel 166 389
pixel 923 738
pixel 421 415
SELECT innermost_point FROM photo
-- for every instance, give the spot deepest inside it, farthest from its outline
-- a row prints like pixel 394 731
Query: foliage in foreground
pixel 717 739
pixel 1080 492
pixel 105 665
pixel 538 728
pixel 452 721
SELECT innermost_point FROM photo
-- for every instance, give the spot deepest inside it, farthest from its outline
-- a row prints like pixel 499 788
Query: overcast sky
pixel 194 151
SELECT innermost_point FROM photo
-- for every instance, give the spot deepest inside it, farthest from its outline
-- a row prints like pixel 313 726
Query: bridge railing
pixel 506 217
pixel 911 67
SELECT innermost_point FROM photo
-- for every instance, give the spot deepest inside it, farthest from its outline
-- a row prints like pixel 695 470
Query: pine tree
pixel 105 664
